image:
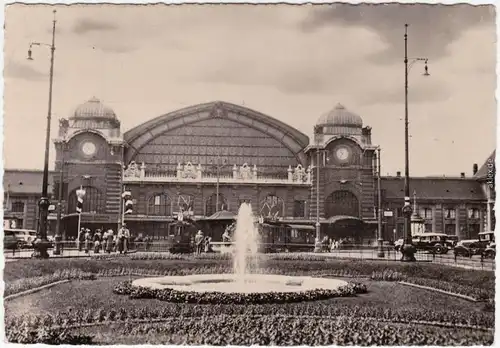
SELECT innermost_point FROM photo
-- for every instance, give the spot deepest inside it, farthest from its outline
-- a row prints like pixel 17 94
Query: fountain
pixel 244 278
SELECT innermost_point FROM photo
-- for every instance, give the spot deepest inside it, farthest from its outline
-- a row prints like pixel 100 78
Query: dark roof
pixel 468 189
pixel 25 181
pixel 482 173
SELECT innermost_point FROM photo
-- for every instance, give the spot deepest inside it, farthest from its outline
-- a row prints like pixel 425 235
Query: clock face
pixel 88 148
pixel 342 153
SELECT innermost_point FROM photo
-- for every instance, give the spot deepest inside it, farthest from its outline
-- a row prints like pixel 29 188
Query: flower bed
pixel 171 295
pixel 24 284
pixel 479 294
pixel 277 330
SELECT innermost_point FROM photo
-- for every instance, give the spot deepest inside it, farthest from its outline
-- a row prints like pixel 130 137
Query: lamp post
pixel 41 243
pixel 57 238
pixel 218 166
pixel 407 249
pixel 380 241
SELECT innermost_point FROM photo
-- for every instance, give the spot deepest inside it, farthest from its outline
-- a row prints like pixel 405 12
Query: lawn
pixel 389 313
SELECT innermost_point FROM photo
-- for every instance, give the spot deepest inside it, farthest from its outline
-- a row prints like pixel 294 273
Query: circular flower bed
pixel 176 296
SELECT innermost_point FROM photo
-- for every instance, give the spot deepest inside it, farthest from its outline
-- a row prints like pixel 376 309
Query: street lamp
pixel 407 249
pixel 218 166
pixel 317 131
pixel 380 241
pixel 57 238
pixel 41 243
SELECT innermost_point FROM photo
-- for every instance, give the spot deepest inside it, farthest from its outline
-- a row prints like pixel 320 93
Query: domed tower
pixel 89 154
pixel 345 170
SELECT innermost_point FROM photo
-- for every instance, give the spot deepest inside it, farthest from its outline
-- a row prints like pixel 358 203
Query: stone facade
pixel 178 162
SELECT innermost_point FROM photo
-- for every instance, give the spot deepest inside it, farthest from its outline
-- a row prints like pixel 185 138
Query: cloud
pixel 22 71
pixel 431 27
pixel 87 25
pixel 111 47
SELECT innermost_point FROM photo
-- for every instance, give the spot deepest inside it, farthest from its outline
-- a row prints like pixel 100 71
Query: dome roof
pixel 340 116
pixel 94 109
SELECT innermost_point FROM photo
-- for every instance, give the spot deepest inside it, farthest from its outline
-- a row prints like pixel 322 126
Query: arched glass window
pixel 160 204
pixel 272 207
pixel 211 203
pixel 17 207
pixel 93 202
pixel 341 203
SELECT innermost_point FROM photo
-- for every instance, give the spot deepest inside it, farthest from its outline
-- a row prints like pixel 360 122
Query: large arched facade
pixel 202 133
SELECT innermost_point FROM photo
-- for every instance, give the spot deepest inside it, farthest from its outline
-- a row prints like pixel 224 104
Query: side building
pixel 212 157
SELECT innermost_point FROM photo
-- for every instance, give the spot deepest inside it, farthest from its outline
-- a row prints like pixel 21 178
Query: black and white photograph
pixel 229 174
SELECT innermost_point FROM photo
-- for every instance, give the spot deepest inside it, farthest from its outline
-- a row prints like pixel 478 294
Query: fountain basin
pixel 249 283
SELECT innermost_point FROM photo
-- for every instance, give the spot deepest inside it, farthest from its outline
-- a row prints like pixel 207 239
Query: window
pixel 473 213
pixel 93 201
pixel 299 208
pixel 272 207
pixel 294 233
pixel 399 212
pixel 428 228
pixel 211 204
pixel 160 205
pixel 426 213
pixel 450 229
pixel 18 207
pixel 449 213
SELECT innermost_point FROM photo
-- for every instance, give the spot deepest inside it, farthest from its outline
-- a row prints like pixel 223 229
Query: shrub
pixel 25 332
pixel 293 331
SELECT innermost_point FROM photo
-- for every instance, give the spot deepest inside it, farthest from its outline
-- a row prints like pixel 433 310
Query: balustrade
pixel 189 172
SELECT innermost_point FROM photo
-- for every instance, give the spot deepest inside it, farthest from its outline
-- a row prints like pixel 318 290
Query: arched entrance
pixel 341 202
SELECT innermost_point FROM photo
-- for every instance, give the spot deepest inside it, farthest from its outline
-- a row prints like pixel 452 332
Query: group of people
pixel 106 241
pixel 202 243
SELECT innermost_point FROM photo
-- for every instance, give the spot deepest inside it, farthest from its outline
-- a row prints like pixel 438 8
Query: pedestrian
pixel 207 244
pixel 109 240
pixel 81 238
pixel 125 238
pixel 119 240
pixel 88 241
pixel 198 240
pixel 97 241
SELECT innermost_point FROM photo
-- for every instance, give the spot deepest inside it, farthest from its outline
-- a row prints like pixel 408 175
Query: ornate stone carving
pixel 189 171
pixel 218 111
pixel 299 174
pixel 245 172
pixel 63 127
pixel 132 170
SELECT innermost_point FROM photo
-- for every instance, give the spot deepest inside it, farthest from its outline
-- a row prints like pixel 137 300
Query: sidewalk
pixel 66 253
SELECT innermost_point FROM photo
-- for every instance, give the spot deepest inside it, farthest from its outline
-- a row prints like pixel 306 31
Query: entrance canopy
pixel 221 215
pixel 302 227
pixel 344 219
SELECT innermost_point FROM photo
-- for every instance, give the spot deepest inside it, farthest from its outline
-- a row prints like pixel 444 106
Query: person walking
pixel 125 238
pixel 198 240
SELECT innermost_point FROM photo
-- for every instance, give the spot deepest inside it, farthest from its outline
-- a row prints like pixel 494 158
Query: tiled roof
pixel 434 188
pixel 482 173
pixel 25 181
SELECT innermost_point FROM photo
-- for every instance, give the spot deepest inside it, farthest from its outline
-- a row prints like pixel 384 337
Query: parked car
pixel 490 251
pixel 11 241
pixel 433 242
pixel 467 248
pixel 28 236
pixel 486 238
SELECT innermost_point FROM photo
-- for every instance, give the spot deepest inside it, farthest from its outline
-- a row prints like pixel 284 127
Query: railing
pixel 358 252
pixel 243 174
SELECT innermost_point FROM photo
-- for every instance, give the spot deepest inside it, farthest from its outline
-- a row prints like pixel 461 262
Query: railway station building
pixel 211 157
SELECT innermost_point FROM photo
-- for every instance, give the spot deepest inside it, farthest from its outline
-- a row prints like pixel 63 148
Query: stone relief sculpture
pixel 189 171
pixel 245 172
pixel 299 174
pixel 132 170
pixel 63 127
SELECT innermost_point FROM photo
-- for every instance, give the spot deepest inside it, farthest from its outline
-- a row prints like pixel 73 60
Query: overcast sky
pixel 290 62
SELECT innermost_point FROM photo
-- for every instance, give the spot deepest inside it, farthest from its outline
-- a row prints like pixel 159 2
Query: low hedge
pixel 291 331
pixel 305 264
pixel 26 333
pixel 24 284
pixel 479 294
pixel 176 296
